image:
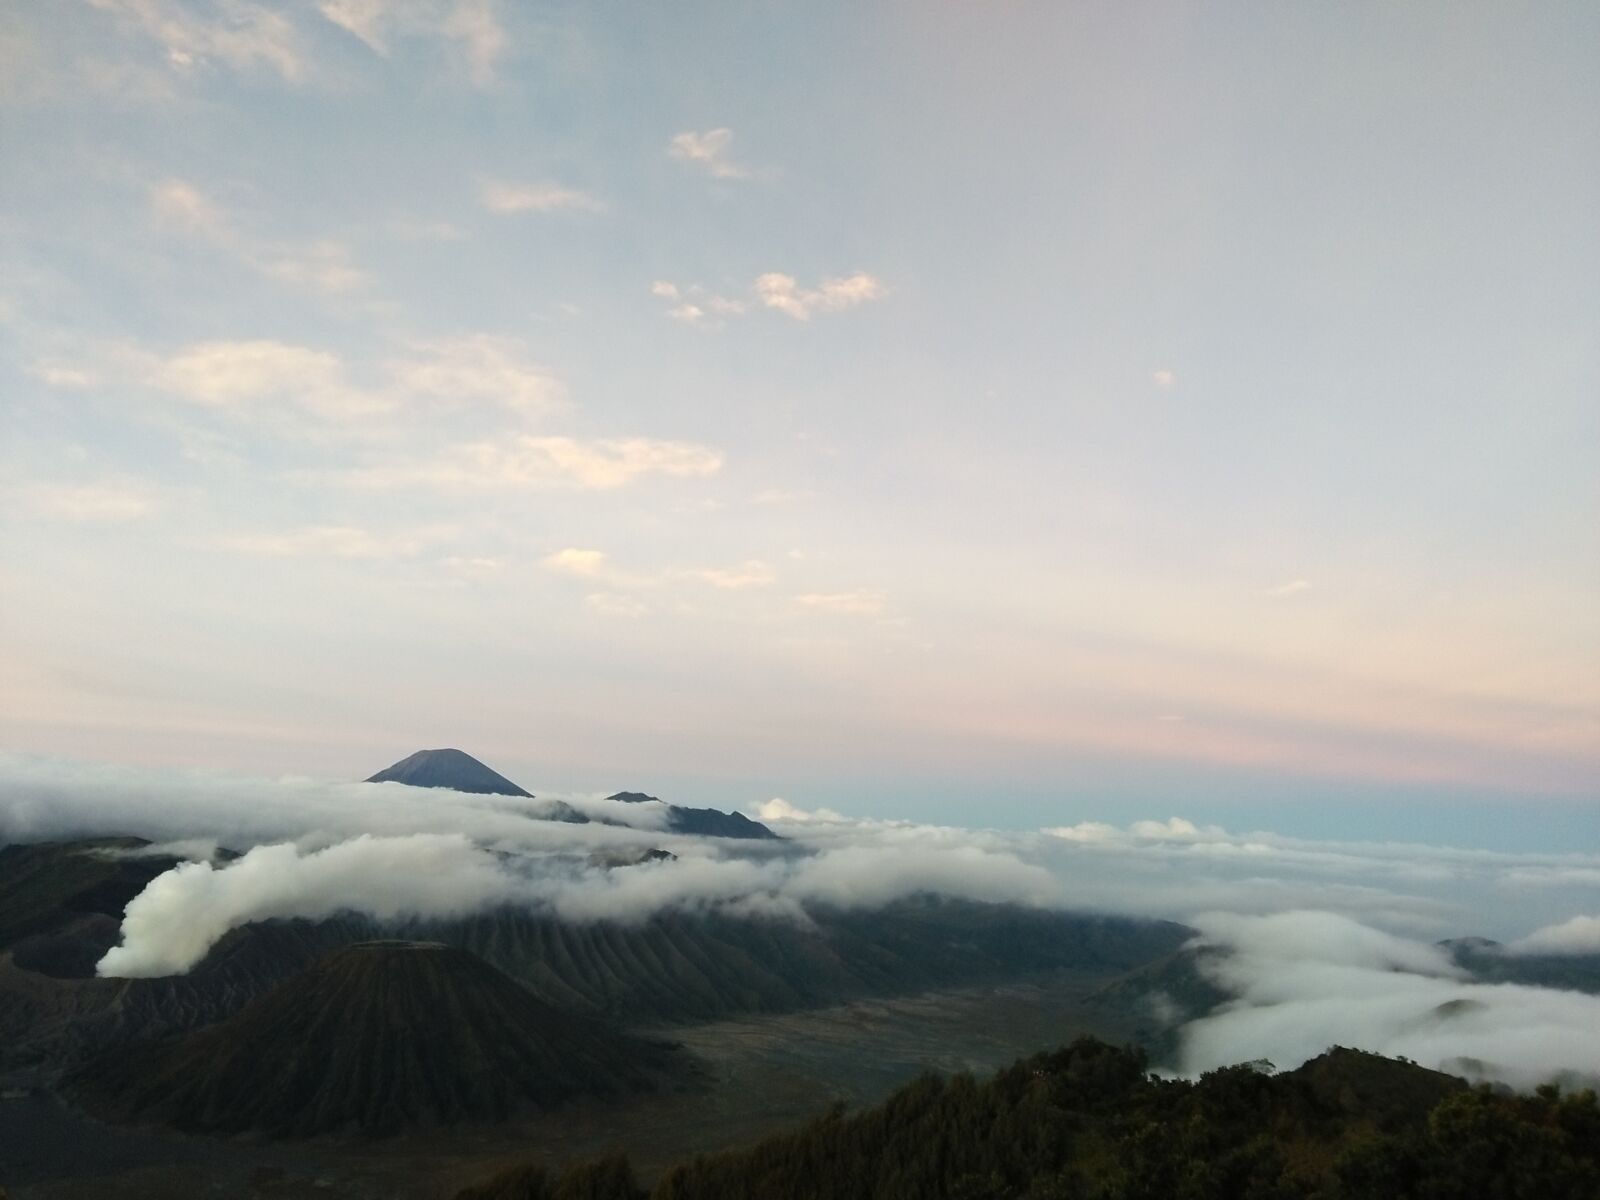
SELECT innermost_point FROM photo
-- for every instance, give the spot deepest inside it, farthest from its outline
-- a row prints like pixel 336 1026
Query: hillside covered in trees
pixel 1089 1122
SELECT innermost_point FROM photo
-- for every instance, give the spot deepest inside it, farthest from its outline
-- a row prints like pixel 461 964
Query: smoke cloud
pixel 181 914
pixel 171 926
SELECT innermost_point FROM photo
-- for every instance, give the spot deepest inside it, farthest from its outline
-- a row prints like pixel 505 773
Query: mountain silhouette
pixel 454 769
pixel 704 822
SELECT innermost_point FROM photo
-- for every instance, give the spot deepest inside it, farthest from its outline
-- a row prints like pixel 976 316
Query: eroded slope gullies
pixel 376 1038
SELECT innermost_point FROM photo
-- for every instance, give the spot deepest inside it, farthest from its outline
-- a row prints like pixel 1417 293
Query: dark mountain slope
pixel 677 967
pixel 1087 1122
pixel 1488 960
pixel 674 967
pixel 376 1038
pixel 48 888
pixel 703 822
pixel 452 769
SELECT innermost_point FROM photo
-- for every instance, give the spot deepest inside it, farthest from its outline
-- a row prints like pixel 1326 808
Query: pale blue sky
pixel 1053 410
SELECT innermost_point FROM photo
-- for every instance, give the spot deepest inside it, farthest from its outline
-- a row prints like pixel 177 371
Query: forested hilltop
pixel 1089 1122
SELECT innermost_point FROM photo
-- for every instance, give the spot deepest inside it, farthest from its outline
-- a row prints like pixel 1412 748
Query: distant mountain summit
pixel 706 822
pixel 454 769
pixel 459 771
pixel 376 1038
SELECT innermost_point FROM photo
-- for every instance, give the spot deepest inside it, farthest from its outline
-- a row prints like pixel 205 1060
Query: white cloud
pixel 573 561
pixel 855 604
pixel 242 35
pixel 480 367
pixel 1172 829
pixel 508 198
pixel 709 151
pixel 241 373
pixel 234 375
pixel 694 304
pixel 59 375
pixel 526 461
pixel 321 265
pixel 224 373
pixel 1305 981
pixel 1085 831
pixel 1163 379
pixel 1579 935
pixel 779 809
pixel 781 292
pixel 472 27
pixel 751 574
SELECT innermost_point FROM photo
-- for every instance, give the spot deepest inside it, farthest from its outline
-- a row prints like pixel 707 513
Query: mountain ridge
pixel 375 1038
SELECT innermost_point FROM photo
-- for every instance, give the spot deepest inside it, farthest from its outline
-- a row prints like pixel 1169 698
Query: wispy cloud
pixel 781 292
pixel 233 374
pixel 241 35
pixel 573 561
pixel 321 265
pixel 479 367
pixel 508 198
pixel 528 461
pixel 696 305
pixel 236 375
pixel 472 26
pixel 751 574
pixel 709 151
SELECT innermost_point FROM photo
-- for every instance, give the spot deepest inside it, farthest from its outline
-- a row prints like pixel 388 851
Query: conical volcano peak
pixel 449 768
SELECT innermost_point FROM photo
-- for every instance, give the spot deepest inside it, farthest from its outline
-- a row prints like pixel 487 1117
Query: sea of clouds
pixel 1320 942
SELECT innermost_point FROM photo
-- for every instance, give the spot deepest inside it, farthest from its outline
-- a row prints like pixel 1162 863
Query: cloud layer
pixel 1305 981
pixel 1320 943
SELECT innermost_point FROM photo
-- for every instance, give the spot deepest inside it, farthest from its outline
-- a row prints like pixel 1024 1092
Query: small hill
pixel 376 1038
pixel 1389 1092
pixel 703 822
pixel 454 769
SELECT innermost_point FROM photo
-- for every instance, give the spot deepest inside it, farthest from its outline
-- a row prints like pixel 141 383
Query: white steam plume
pixel 174 922
pixel 181 914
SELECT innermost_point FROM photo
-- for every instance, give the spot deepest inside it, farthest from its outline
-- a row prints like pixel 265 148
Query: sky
pixel 1012 415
